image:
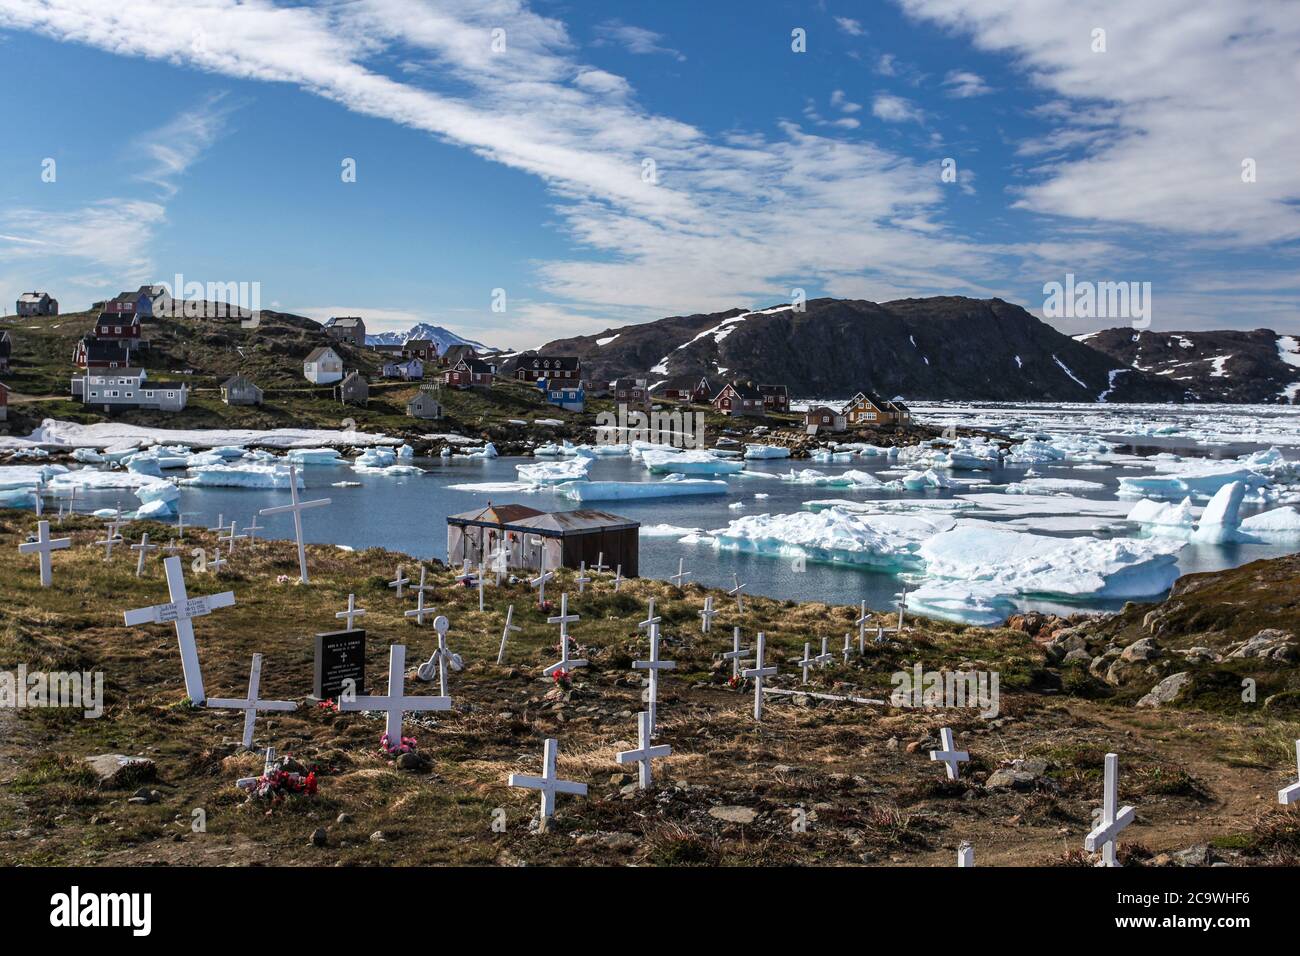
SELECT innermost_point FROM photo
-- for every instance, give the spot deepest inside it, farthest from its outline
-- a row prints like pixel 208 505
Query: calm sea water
pixel 409 515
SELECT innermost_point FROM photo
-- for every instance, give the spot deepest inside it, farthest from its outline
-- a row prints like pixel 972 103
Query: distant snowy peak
pixel 1218 366
pixel 443 338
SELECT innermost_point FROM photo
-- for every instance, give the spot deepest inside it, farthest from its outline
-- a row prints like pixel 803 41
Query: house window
pixel 171 394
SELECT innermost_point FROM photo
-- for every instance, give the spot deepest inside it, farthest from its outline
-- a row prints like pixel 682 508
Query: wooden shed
pixel 535 539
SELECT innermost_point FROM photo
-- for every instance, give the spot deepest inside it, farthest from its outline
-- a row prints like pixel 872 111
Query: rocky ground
pixel 817 782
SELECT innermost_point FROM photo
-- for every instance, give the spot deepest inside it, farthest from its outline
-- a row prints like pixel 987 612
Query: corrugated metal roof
pixel 567 522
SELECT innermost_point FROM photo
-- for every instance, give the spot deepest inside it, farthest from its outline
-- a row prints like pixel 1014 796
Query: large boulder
pixel 118 771
pixel 1166 691
pixel 1269 644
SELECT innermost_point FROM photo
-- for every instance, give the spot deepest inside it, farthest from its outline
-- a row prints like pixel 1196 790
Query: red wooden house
pixel 740 398
pixel 469 373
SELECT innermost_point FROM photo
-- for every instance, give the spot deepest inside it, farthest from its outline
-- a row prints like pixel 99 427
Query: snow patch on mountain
pixel 443 338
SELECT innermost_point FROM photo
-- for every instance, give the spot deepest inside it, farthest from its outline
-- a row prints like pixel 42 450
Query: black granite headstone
pixel 340 656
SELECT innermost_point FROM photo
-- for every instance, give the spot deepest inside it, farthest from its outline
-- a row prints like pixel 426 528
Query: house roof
pixel 238 381
pixel 772 389
pixel 318 353
pixel 475 365
pixel 354 377
pixel 823 410
pixel 495 515
pixel 745 390
pixel 103 349
pixel 344 322
pixel 628 383
pixel 33 296
pixel 561 523
pixel 872 397
pixel 545 362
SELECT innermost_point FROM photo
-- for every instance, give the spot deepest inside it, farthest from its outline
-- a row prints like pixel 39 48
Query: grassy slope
pixel 859 773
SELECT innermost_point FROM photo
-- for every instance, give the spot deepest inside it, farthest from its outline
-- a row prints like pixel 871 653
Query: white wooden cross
pixel 351 613
pixel 395 702
pixel 651 619
pixel 861 622
pixel 825 657
pixel 400 582
pixel 501 562
pixel 37 500
pixel 952 757
pixel 1289 795
pixel 270 764
pixel 582 580
pixel 144 547
pixel 618 577
pixel 965 855
pixel 505 633
pixel 808 660
pixel 707 615
pixel 181 611
pixel 548 783
pixel 680 577
pixel 251 704
pixel 539 582
pixel 758 672
pixel 654 665
pixel 230 537
pixel 422 587
pixel 645 753
pixel 564 663
pixel 297 508
pixel 111 537
pixel 221 526
pixel 600 567
pixel 735 592
pixel 735 654
pixel 848 649
pixel 481 576
pixel 217 562
pixel 250 532
pixel 70 496
pixel 171 547
pixel 466 576
pixel 43 545
pixel 442 657
pixel 420 610
pixel 180 523
pixel 1106 833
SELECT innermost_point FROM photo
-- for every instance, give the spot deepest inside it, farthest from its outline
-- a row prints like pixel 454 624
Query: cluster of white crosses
pixel 182 609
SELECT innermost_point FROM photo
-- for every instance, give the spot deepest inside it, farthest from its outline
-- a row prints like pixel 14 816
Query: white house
pixel 37 303
pixel 323 366
pixel 128 388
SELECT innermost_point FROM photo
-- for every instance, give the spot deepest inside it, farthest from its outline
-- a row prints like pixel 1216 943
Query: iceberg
pixel 1221 517
pixel 1202 483
pixel 689 463
pixel 834 536
pixel 488 450
pixel 753 452
pixel 921 480
pixel 87 456
pixel 1279 526
pixel 27 476
pixel 1164 518
pixel 405 451
pixel 1052 486
pixel 240 476
pixel 375 458
pixel 632 490
pixel 17 498
pixel 125 438
pixel 87 479
pixel 555 472
pixel 156 510
pixel 313 456
pixel 847 479
pixel 667 531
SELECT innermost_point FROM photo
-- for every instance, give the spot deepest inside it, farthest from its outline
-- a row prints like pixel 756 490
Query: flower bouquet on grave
pixel 563 679
pixel 405 746
pixel 328 704
pixel 276 783
pixel 735 682
pixel 282 579
pixel 547 606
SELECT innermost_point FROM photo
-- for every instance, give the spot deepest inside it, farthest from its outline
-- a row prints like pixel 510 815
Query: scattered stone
pixel 1166 691
pixel 734 814
pixel 116 771
pixel 378 837
pixel 1010 779
pixel 344 818
pixel 1269 644
pixel 1143 649
pixel 318 836
pixel 1198 855
pixel 414 761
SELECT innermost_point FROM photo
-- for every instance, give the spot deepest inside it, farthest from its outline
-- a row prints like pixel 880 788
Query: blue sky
pixel 206 138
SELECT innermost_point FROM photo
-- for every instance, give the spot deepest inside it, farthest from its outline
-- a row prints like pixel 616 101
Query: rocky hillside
pixel 946 347
pixel 1256 366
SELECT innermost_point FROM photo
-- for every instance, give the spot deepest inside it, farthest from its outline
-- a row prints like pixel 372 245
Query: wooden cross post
pixel 680 577
pixel 399 582
pixel 395 703
pixel 548 783
pixel 565 663
pixel 952 757
pixel 505 633
pixel 252 704
pixel 1112 823
pixel 297 507
pixel 43 545
pixel 654 665
pixel 144 547
pixel 735 654
pixel 645 752
pixel 351 613
pixel 758 672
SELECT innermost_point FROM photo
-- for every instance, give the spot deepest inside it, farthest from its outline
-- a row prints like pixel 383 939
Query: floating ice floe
pixel 922 480
pixel 89 479
pixel 1198 483
pixel 630 490
pixel 555 472
pixel 1279 526
pixel 501 487
pixel 17 498
pixel 87 456
pixel 828 456
pixel 1222 515
pixel 243 475
pixel 834 535
pixel 846 479
pixel 314 456
pixel 1052 486
pixel 28 476
pixel 758 452
pixel 488 450
pixel 405 451
pixel 667 531
pixel 689 463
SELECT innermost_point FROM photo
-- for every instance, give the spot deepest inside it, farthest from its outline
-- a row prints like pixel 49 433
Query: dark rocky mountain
pixel 1258 366
pixel 947 347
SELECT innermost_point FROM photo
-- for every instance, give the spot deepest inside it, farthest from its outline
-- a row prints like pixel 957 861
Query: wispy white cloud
pixel 853 28
pixel 176 145
pixel 635 39
pixel 895 109
pixel 963 84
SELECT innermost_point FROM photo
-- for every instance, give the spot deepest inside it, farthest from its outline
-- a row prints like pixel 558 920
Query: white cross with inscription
pixel 351 613
pixel 539 582
pixel 707 615
pixel 735 654
pixel 230 536
pixel 43 545
pixel 400 582
pixel 965 855
pixel 758 672
pixel 144 547
pixel 1289 795
pixel 654 665
pixel 808 660
pixel 297 508
pixel 251 704
pixel 564 663
pixel 680 577
pixel 505 633
pixel 1106 833
pixel 251 531
pixel 420 610
pixel 735 592
pixel 395 703
pixel 549 782
pixel 181 611
pixel 582 580
pixel 952 757
pixel 645 753
pixel 825 657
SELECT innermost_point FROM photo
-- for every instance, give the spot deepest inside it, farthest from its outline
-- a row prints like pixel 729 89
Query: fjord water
pixel 408 514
